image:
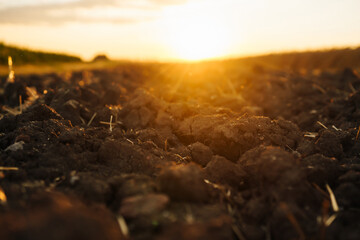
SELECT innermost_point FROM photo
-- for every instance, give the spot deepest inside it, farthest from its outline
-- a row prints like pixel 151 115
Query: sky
pixel 179 29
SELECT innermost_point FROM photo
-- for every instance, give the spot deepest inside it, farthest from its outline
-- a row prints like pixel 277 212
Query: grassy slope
pixel 324 59
pixel 58 67
pixel 24 56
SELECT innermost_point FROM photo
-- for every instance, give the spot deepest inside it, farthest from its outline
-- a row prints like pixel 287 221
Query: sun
pixel 197 39
pixel 195 33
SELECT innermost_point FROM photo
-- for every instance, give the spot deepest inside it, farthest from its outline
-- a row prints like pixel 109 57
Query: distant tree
pixel 101 57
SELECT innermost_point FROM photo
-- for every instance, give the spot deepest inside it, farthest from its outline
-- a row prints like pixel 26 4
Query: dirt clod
pixel 184 183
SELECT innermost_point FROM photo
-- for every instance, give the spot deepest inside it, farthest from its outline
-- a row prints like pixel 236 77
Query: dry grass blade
pixel 110 127
pixel 238 233
pixel 231 86
pixel 189 217
pixel 214 185
pixel 337 129
pixel 10 62
pixel 123 226
pixel 357 135
pixel 324 217
pixel 33 95
pixel 352 87
pixel 321 191
pixel 185 159
pixel 111 123
pixel 92 119
pixel 310 135
pixel 20 103
pixel 292 220
pixel 330 220
pixel 225 192
pixel 334 204
pixel 132 143
pixel 321 125
pixel 166 145
pixel 9 169
pixel 10 110
pixel 82 120
pixel 319 88
pixel 106 123
pixel 3 198
pixel 11 76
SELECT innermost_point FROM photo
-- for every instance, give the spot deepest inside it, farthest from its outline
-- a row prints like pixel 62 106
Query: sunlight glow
pixel 164 30
pixel 194 33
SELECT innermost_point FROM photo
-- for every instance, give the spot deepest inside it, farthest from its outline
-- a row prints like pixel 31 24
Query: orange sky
pixel 179 29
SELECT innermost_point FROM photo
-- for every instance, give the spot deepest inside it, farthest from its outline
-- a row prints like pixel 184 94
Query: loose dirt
pixel 178 151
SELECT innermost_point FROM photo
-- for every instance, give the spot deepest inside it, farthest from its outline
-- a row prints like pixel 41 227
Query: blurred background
pixel 168 30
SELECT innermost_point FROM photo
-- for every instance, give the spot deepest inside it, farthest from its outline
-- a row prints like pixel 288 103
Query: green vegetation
pixel 24 56
pixel 323 59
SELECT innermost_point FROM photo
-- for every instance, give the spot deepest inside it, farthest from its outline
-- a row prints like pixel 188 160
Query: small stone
pixel 16 146
pixel 200 153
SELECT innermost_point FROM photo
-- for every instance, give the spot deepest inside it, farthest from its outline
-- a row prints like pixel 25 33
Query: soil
pixel 180 151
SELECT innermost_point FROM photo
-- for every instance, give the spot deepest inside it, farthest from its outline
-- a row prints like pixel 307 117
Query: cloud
pixel 60 12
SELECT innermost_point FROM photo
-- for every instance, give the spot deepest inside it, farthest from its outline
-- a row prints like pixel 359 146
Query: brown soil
pixel 203 151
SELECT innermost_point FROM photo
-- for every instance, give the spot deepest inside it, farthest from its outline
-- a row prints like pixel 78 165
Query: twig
pixel 318 122
pixel 20 103
pixel 334 204
pixel 358 132
pixel 92 119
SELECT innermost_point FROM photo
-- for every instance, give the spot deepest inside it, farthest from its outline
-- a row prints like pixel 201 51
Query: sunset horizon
pixel 181 30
